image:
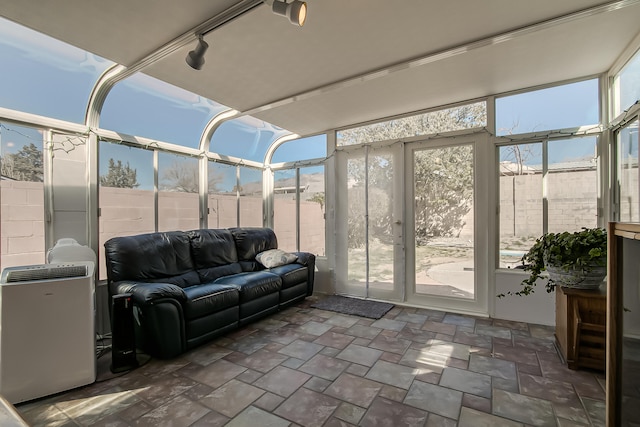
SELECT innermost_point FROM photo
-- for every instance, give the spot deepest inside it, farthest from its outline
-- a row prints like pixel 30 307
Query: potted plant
pixel 577 259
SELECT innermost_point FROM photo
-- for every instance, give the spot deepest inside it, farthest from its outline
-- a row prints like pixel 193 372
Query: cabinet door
pixel 623 323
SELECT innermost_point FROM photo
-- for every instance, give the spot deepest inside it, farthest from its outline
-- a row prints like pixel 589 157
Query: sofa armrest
pixel 308 260
pixel 159 318
pixel 305 258
pixel 144 293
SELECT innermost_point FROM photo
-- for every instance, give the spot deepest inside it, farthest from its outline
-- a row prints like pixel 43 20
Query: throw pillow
pixel 275 257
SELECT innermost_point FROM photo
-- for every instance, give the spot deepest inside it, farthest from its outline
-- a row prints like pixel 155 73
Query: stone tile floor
pixel 309 367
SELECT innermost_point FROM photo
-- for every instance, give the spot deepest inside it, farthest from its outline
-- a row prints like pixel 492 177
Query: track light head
pixel 296 11
pixel 195 58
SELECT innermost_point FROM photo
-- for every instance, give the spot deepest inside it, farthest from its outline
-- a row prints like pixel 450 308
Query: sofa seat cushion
pixel 291 274
pixel 209 275
pixel 209 298
pixel 252 285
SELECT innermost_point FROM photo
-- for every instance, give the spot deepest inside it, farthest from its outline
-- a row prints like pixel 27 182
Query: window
pixel 178 192
pixel 147 107
pixel 539 194
pixel 284 208
pixel 21 196
pixel 246 138
pixel 311 221
pixel 223 199
pixel 627 85
pixel 312 210
pixel 558 107
pixel 313 147
pixel 127 205
pixel 628 184
pixel 250 197
pixel 468 116
pixel 44 76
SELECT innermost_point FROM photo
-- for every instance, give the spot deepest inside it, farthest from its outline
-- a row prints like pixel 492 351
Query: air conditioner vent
pixel 47 272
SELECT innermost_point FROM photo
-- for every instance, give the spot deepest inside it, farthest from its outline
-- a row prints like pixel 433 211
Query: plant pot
pixel 578 278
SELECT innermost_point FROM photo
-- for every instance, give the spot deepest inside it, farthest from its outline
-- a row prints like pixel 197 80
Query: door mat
pixel 354 306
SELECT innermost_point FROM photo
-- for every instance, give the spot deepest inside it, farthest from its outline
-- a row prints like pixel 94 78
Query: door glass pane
pixel 629 184
pixel 444 221
pixel 178 201
pixel 21 197
pixel 223 200
pixel 381 254
pixel 520 182
pixel 572 184
pixel 126 194
pixel 356 250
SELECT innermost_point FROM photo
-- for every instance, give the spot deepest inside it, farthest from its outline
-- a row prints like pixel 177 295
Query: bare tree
pixel 183 176
pixel 443 177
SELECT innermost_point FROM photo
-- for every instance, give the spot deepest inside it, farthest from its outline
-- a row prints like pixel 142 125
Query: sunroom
pixel 417 149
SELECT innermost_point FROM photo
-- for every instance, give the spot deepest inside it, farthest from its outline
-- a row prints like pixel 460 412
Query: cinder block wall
pixel 22 223
pixel 572 205
pixel 125 212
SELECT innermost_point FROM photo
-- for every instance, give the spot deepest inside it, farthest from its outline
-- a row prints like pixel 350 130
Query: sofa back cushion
pixel 214 254
pixel 250 241
pixel 212 248
pixel 154 257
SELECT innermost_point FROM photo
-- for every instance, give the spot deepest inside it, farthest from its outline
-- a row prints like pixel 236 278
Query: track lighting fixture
pixel 296 11
pixel 195 58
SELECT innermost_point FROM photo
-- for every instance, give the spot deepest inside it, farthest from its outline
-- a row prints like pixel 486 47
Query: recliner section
pixel 190 287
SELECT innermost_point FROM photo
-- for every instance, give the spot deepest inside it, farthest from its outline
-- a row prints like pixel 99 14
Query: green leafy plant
pixel 581 250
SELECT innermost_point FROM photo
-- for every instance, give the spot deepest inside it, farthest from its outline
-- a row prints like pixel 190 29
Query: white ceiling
pixel 325 74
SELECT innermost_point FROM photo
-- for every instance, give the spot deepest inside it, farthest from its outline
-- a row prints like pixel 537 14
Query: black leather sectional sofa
pixel 190 287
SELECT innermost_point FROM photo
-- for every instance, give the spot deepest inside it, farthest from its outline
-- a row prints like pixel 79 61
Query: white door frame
pixel 342 285
pixel 479 304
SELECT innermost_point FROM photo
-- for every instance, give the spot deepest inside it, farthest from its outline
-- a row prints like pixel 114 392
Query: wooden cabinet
pixel 581 317
pixel 623 325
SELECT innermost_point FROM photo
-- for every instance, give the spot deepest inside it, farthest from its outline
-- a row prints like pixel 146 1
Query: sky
pixel 50 78
pixel 557 107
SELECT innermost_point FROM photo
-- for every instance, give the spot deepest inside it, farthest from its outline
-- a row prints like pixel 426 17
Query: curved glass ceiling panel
pixel 311 147
pixel 245 137
pixel 44 76
pixel 148 107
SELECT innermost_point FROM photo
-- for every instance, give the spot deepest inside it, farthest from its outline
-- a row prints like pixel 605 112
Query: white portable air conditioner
pixel 47 332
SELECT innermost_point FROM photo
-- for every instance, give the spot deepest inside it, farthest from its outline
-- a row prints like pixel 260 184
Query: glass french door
pixel 441 217
pixel 406 224
pixel 370 260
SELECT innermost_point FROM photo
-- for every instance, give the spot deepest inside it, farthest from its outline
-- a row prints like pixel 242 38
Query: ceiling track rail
pixel 118 72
